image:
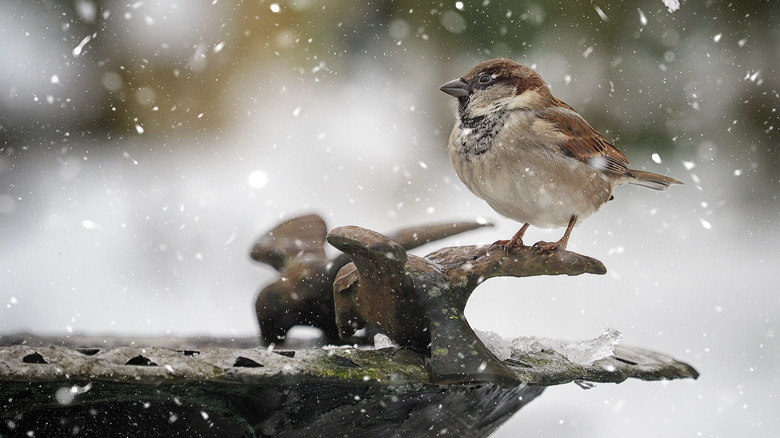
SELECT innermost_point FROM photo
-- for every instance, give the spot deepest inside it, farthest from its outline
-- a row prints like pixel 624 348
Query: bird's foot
pixel 540 247
pixel 515 242
pixel 507 245
pixel 498 243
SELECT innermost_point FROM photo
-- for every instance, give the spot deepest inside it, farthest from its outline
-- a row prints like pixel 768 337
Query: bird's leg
pixel 517 239
pixel 515 242
pixel 561 244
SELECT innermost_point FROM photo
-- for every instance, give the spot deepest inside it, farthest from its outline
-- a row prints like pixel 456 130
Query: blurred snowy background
pixel 145 145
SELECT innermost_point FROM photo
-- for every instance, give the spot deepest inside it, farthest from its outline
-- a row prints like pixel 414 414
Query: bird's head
pixel 495 85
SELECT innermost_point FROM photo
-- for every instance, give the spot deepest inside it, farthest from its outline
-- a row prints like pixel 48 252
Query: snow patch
pixel 672 5
pixel 582 352
pixel 382 341
pixel 496 344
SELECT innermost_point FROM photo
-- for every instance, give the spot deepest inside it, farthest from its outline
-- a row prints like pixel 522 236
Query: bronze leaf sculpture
pixel 303 292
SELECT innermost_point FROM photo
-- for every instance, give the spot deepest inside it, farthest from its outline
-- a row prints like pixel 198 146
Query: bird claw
pixel 507 245
pixel 540 247
pixel 498 243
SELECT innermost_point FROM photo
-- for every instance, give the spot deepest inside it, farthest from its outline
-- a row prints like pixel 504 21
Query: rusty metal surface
pixel 419 301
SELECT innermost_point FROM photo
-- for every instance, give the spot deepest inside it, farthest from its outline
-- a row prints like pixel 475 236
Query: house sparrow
pixel 531 156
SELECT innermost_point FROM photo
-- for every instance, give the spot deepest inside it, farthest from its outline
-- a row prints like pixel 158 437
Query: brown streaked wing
pixel 585 143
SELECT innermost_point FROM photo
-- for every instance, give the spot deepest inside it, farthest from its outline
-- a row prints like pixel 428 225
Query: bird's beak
pixel 456 88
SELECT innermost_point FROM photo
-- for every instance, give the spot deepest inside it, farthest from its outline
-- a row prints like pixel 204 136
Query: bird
pixel 529 155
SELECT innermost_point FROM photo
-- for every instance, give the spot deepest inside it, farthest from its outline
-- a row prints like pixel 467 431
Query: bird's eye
pixel 485 79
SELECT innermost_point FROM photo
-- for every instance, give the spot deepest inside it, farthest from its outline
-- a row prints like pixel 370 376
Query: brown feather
pixel 651 180
pixel 584 142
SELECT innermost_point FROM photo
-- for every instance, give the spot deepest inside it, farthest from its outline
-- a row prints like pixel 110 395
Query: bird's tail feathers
pixel 651 180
